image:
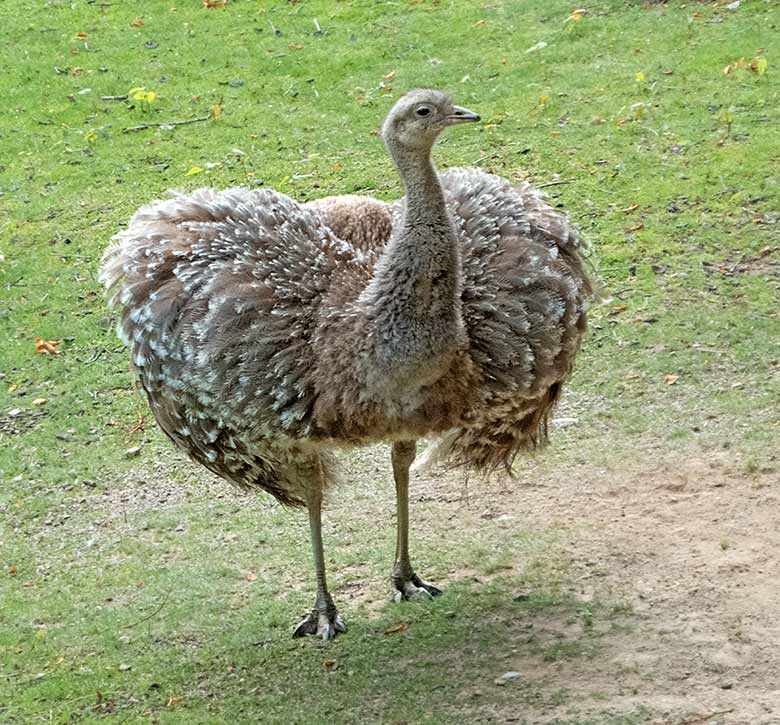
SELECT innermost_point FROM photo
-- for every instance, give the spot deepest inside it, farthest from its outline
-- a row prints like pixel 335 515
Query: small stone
pixel 727 685
pixel 14 412
pixel 564 422
pixel 507 677
pixel 132 452
pixel 40 401
pixel 125 668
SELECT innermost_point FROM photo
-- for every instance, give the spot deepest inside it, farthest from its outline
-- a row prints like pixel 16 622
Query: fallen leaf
pixel 214 3
pixel 631 208
pixel 193 170
pixel 671 379
pixel 402 627
pixel 598 121
pixel 765 251
pixel 640 76
pixel 40 401
pixel 576 15
pixel 251 577
pixel 389 76
pixel 480 22
pixel 173 700
pixel 619 308
pixel 12 570
pixel 329 664
pixel 47 347
pixel 759 65
pixel 137 23
pixel 215 111
pixel 82 36
pixel 636 228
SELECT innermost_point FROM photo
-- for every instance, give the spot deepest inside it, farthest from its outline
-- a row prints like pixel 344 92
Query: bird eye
pixel 423 111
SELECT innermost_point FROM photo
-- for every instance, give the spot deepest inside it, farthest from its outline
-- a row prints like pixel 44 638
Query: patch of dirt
pixel 687 543
pixel 692 545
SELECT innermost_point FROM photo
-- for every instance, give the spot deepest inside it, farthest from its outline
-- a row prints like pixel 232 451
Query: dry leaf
pixel 402 627
pixel 173 700
pixel 82 36
pixel 137 23
pixel 636 228
pixel 671 379
pixel 480 22
pixel 389 76
pixel 329 664
pixel 631 208
pixel 12 570
pixel 47 347
pixel 251 577
pixel 214 3
pixel 598 121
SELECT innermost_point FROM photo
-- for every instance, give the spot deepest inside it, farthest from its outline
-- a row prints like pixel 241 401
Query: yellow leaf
pixel 640 76
pixel 759 65
pixel 215 110
pixel 194 170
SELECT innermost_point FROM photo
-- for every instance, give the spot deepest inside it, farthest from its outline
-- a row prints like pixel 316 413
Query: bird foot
pixel 325 623
pixel 412 587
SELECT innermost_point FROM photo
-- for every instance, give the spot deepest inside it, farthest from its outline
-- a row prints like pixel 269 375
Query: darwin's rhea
pixel 266 332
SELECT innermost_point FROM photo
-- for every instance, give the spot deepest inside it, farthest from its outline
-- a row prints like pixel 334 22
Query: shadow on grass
pixel 434 662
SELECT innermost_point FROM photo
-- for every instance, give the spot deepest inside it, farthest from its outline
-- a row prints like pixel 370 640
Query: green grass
pixel 689 286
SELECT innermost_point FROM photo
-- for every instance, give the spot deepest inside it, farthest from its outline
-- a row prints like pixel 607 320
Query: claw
pixel 323 624
pixel 413 588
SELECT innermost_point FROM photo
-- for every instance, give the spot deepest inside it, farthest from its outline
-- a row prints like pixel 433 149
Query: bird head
pixel 419 117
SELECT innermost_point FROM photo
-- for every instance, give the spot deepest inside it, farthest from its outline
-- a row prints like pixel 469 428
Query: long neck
pixel 415 292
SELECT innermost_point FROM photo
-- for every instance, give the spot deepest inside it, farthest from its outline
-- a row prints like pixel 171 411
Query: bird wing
pixel 218 294
pixel 524 299
pixel 362 221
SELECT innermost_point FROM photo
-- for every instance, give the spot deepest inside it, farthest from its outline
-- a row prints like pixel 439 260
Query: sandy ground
pixel 687 542
pixel 692 544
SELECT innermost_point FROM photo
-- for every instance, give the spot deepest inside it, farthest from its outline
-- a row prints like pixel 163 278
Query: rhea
pixel 267 332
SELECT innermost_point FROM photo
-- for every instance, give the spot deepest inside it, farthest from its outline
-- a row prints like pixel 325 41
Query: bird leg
pixel 324 619
pixel 406 584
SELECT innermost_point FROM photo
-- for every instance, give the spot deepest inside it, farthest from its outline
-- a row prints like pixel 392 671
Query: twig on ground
pixel 154 613
pixel 144 126
pixel 114 98
pixel 704 718
pixel 555 183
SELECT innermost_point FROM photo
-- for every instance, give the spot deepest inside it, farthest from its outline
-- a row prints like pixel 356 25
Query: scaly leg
pixel 406 584
pixel 324 620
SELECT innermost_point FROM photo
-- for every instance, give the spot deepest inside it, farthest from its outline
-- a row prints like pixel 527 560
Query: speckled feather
pixel 253 336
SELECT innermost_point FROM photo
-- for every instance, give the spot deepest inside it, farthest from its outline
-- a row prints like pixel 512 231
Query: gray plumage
pixel 265 331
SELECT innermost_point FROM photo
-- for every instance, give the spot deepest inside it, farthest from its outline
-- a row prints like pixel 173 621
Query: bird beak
pixel 461 115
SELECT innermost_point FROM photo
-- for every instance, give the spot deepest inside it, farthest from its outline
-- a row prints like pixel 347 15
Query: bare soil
pixel 691 544
pixel 687 543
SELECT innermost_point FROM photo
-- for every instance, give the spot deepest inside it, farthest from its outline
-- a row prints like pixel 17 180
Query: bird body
pixel 265 331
